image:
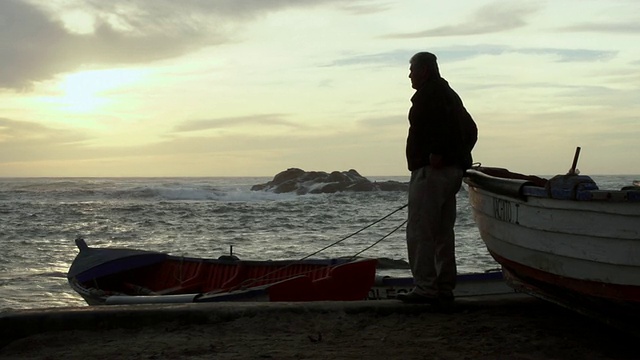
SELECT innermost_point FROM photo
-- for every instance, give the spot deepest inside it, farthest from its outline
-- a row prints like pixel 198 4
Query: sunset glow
pixel 218 88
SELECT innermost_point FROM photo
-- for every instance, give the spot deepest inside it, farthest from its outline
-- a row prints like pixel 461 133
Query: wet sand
pixel 515 328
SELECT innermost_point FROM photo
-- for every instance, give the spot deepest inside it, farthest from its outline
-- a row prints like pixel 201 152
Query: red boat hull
pixel 142 276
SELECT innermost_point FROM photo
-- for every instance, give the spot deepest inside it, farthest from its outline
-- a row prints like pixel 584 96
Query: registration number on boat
pixel 505 210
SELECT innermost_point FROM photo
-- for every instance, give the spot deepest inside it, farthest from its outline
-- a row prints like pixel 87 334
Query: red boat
pixel 105 276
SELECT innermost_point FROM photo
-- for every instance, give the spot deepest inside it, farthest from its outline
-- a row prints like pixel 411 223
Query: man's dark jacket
pixel 439 124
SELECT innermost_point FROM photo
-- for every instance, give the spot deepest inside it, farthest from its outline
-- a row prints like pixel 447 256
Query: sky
pixel 147 88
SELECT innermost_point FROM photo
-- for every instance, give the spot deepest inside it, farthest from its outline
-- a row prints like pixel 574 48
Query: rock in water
pixel 319 182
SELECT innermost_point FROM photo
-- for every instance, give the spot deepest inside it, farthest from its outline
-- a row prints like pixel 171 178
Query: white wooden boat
pixel 561 239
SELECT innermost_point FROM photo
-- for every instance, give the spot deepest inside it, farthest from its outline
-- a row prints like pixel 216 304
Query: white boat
pixel 562 239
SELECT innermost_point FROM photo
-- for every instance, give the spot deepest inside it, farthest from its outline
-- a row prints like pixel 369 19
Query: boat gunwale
pixel 523 187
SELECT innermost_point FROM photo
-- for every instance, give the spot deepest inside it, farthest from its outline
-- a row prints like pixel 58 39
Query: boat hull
pixel 590 248
pixel 109 276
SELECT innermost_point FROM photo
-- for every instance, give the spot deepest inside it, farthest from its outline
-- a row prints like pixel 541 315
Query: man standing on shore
pixel 441 136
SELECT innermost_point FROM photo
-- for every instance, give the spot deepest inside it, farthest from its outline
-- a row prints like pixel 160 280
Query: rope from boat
pixel 249 282
pixel 382 238
pixel 357 232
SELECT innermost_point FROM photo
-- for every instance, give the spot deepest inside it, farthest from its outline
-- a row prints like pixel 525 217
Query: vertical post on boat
pixel 572 171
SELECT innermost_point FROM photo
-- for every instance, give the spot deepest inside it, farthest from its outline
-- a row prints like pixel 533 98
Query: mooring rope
pixel 249 282
pixel 356 233
pixel 382 238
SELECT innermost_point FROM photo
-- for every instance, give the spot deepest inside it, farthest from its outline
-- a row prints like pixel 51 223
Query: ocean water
pixel 200 217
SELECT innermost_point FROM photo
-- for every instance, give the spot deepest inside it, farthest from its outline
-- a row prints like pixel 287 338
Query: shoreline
pixel 514 327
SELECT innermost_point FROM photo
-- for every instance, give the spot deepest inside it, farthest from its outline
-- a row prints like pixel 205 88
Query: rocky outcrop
pixel 319 182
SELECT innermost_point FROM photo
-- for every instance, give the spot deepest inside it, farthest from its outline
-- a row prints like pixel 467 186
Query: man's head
pixel 424 66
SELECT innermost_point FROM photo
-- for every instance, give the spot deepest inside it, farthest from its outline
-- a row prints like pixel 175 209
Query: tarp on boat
pixel 97 262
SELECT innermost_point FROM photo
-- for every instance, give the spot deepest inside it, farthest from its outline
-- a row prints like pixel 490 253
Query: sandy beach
pixel 522 328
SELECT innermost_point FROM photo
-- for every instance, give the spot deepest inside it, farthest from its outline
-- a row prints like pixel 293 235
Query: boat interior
pixel 177 275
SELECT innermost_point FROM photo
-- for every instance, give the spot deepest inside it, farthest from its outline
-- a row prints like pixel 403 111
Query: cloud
pixel 461 53
pixel 30 149
pixel 387 58
pixel 571 55
pixel 619 28
pixel 492 18
pixel 20 140
pixel 240 121
pixel 364 9
pixel 37 44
